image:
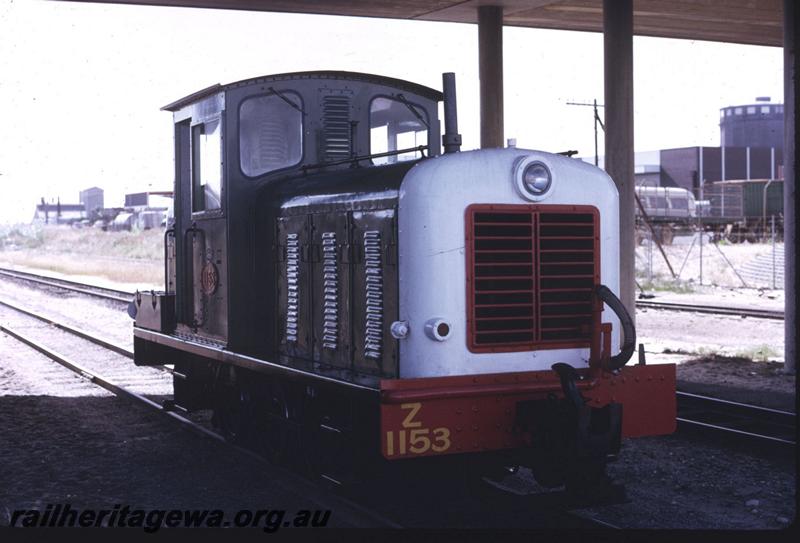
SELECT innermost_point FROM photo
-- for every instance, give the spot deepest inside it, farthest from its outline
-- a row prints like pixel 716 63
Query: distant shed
pixel 91 199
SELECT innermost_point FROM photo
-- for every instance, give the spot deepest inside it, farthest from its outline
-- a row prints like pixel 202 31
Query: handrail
pixel 629 332
pixel 189 271
pixel 166 259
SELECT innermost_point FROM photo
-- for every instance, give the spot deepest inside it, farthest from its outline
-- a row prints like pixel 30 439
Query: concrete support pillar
pixel 789 184
pixel 490 59
pixel 618 74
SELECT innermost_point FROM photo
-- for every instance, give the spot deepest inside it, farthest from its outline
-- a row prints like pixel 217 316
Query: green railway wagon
pixel 753 196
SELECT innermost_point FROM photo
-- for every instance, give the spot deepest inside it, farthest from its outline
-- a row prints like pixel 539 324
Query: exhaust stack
pixel 451 139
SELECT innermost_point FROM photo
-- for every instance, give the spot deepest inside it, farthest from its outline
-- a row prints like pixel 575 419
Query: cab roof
pixel 399 84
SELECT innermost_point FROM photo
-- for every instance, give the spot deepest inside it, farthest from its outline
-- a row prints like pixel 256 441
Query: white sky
pixel 81 84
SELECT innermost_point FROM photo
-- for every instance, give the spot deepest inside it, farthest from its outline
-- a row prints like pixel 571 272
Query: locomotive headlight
pixel 536 178
pixel 533 178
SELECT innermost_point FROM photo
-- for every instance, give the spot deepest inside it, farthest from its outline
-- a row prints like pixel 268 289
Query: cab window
pixel 270 133
pixel 396 124
pixel 679 203
pixel 207 166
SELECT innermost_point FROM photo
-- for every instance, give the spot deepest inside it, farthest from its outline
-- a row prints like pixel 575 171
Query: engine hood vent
pixel 530 274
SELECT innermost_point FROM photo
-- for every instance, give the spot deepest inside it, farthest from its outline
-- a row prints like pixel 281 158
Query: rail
pixel 723 417
pixel 111 346
pixel 74 286
pixel 353 509
pixel 125 297
pixel 713 309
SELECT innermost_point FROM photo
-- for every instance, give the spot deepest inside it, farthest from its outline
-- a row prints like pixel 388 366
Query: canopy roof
pixel 756 22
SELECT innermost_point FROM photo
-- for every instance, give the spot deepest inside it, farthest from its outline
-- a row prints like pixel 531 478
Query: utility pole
pixel 700 223
pixel 597 120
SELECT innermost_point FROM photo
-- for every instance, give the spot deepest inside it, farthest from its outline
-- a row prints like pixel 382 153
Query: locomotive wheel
pixel 233 409
pixel 273 424
pixel 328 454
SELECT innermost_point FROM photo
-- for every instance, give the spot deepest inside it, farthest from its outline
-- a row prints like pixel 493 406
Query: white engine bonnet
pixel 432 269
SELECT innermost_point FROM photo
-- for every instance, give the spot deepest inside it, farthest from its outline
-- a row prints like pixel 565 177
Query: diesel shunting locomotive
pixel 339 287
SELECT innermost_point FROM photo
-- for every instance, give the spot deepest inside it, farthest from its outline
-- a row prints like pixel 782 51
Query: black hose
pixel 628 331
pixel 568 375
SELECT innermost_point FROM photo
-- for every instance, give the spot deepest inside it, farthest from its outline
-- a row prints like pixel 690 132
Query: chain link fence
pixel 693 259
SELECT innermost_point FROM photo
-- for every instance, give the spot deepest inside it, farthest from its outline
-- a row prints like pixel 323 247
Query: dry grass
pixel 124 257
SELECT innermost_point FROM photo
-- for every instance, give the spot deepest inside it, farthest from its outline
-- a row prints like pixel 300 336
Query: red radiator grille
pixel 530 273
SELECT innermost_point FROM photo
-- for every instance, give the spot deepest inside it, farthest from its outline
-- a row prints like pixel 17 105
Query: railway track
pixel 108 344
pixel 696 410
pixel 125 297
pixel 361 515
pixel 65 284
pixel 358 516
pixel 715 310
pixel 768 427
